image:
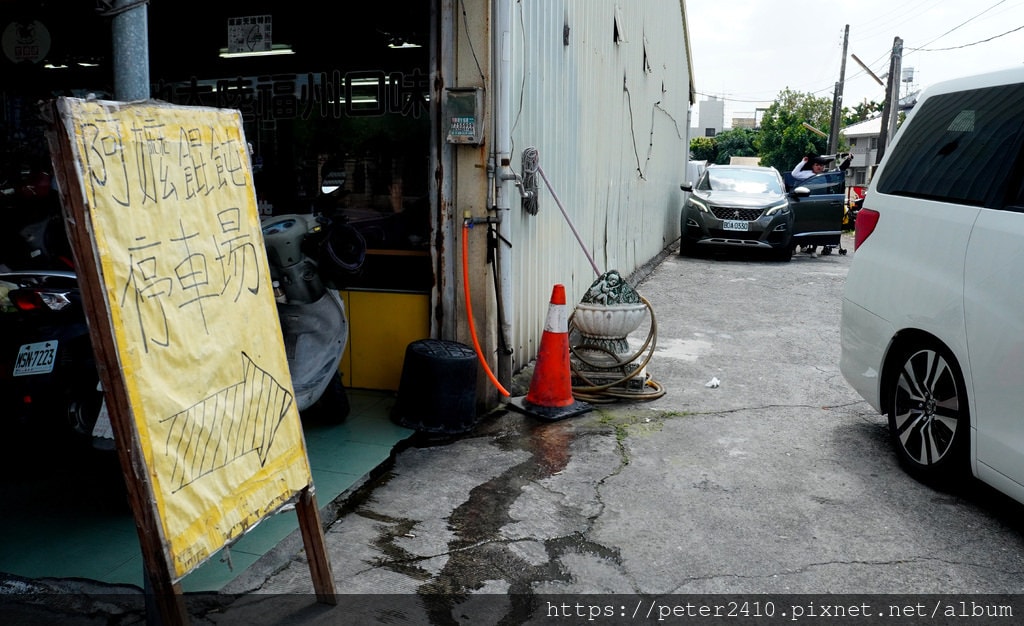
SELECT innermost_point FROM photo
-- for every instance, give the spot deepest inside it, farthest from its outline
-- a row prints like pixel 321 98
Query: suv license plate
pixel 36 358
pixel 735 225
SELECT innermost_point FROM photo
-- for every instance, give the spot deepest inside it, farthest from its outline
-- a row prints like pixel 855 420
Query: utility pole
pixel 868 70
pixel 890 107
pixel 894 89
pixel 837 99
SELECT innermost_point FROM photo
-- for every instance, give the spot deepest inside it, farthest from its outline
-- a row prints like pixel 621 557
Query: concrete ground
pixel 775 486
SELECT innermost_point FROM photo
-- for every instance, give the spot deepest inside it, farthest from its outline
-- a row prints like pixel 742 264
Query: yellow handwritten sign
pixel 171 209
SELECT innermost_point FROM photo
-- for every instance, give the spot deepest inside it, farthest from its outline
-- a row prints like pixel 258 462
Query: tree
pixel 735 142
pixel 784 137
pixel 703 149
pixel 860 112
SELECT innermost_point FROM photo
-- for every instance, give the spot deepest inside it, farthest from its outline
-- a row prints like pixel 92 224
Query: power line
pixel 747 100
pixel 968 45
pixel 908 51
pixel 891 18
pixel 965 22
pixel 725 99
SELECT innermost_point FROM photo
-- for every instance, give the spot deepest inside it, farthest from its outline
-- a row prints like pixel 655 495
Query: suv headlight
pixel 700 205
pixel 780 207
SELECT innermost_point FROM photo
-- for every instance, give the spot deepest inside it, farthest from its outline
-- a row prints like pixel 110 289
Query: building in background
pixel 863 139
pixel 744 120
pixel 710 117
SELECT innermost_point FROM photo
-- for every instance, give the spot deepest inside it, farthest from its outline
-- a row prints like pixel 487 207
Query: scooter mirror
pixel 332 181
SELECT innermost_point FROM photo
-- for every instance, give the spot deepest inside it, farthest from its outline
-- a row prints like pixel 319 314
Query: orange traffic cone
pixel 550 396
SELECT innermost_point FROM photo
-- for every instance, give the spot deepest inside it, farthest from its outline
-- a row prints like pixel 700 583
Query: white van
pixel 932 330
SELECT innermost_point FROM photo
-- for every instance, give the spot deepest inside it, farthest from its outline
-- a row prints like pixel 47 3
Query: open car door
pixel 818 217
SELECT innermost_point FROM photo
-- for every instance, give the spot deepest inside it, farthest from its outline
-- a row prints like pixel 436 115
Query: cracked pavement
pixel 779 481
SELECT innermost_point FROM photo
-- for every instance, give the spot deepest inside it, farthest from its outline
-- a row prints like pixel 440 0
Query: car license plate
pixel 735 225
pixel 36 358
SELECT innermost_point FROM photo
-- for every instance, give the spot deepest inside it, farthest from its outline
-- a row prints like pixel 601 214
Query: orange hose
pixel 469 309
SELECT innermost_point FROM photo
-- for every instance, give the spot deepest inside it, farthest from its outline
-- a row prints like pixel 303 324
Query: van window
pixel 960 147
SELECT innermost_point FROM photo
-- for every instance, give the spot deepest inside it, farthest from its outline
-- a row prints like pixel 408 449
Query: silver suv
pixel 743 207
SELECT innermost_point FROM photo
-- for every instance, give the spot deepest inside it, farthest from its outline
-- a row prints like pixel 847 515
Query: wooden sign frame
pixel 205 456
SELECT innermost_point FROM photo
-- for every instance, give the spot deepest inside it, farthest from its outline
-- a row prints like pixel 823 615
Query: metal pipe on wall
pixel 501 108
pixel 442 64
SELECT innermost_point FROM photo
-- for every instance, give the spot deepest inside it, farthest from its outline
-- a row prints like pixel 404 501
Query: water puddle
pixel 480 556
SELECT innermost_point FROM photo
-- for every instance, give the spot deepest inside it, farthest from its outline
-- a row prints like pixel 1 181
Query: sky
pixel 746 51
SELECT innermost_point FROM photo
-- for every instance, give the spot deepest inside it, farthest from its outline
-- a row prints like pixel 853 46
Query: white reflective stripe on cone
pixel 557 321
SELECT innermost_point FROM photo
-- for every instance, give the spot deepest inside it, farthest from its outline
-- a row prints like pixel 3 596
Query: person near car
pixel 809 166
pixel 812 165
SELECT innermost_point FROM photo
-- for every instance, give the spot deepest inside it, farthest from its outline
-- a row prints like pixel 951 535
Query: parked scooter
pixel 305 252
pixel 49 381
pixel 48 376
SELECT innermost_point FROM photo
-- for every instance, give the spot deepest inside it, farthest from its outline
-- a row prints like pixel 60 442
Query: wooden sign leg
pixel 165 607
pixel 316 547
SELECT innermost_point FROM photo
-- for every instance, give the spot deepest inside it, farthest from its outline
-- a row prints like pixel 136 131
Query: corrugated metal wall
pixel 606 108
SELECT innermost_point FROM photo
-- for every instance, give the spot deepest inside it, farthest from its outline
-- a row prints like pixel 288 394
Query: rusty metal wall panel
pixel 601 92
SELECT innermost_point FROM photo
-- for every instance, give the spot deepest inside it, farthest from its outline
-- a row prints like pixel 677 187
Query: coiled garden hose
pixel 606 393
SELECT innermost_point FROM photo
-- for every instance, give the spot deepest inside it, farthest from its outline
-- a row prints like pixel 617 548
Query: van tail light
pixel 866 221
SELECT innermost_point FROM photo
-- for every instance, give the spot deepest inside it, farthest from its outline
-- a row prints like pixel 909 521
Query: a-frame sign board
pixel 161 212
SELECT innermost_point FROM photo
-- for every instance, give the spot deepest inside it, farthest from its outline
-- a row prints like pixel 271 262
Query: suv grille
pixel 731 213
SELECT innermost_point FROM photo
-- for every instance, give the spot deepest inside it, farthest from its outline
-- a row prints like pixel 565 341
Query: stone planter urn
pixel 609 311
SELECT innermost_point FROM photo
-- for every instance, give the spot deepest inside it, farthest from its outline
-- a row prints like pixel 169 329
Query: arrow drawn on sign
pixel 235 421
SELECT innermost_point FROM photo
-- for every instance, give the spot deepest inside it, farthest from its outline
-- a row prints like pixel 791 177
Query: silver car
pixel 738 207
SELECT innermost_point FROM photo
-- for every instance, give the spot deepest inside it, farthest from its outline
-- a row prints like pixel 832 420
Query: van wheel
pixel 928 416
